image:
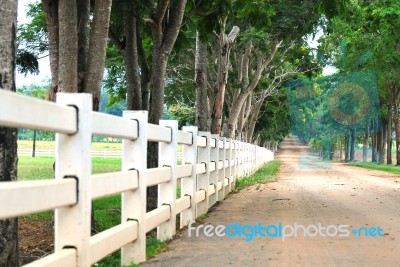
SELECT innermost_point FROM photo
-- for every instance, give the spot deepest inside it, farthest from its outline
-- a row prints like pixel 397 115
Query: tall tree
pixel 8 136
pixel 77 45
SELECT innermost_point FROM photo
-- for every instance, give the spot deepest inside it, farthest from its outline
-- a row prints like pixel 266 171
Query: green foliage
pixel 185 115
pixel 32 39
pixel 274 122
pixel 265 173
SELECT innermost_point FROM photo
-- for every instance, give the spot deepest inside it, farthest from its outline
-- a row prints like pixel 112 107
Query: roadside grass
pixel 374 166
pixel 265 173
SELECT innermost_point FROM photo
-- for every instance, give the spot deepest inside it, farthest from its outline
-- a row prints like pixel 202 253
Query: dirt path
pixel 306 194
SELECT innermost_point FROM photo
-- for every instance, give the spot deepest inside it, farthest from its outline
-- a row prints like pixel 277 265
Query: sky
pixel 44 63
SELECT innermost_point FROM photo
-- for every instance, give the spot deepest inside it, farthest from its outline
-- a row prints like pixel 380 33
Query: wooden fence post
pixel 221 172
pixel 235 161
pixel 229 169
pixel 214 157
pixel 167 154
pixel 73 161
pixel 203 180
pixel 134 202
pixel 188 185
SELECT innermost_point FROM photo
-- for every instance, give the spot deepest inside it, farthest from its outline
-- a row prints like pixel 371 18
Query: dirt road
pixel 307 193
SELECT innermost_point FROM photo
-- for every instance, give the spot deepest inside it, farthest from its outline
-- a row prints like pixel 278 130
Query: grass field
pixel 50 145
pixel 25 144
pixel 374 166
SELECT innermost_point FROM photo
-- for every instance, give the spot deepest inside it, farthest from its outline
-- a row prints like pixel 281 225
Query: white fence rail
pixel 210 167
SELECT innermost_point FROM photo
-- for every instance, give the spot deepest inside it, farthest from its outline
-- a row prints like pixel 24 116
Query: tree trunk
pixel 242 123
pixel 389 135
pixel 8 136
pixel 352 144
pixel 200 80
pixel 34 144
pixel 134 92
pixel 83 16
pixel 347 148
pixel 383 137
pixel 373 142
pixel 51 13
pixel 68 47
pixel 225 45
pixel 365 144
pixel 230 125
pixel 397 130
pixel 144 71
pixel 255 112
pixel 242 93
pixel 97 50
pixel 165 29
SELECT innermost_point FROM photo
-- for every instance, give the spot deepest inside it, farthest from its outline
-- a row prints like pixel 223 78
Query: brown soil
pixel 35 239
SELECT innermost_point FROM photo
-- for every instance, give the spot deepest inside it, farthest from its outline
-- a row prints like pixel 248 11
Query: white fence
pixel 210 166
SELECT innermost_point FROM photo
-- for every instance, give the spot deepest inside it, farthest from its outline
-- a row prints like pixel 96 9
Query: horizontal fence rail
pixel 208 167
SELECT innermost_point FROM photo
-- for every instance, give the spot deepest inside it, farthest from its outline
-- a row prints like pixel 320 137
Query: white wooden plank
pixel 114 126
pixel 157 176
pixel 226 181
pixel 185 138
pixel 213 143
pixel 183 171
pixel 200 168
pixel 200 196
pixel 108 184
pixel 220 165
pixel 182 204
pixel 156 217
pixel 226 162
pixel 201 141
pixel 220 144
pixel 158 133
pixel 212 166
pixel 27 112
pixel 219 187
pixel 62 258
pixel 29 197
pixel 211 189
pixel 112 239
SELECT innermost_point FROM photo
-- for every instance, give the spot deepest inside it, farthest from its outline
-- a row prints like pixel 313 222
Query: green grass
pixel 265 173
pixel 39 168
pixel 374 166
pixel 27 144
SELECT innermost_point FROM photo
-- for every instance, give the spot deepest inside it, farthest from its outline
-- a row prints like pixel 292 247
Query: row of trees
pixel 363 43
